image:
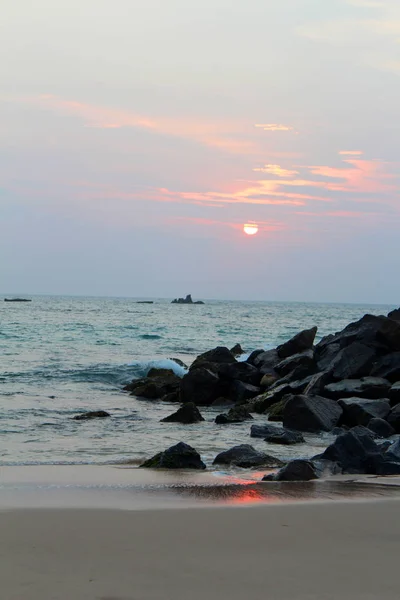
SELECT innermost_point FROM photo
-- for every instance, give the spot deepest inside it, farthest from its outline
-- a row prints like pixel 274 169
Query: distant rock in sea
pixel 187 300
pixel 17 300
pixel 145 302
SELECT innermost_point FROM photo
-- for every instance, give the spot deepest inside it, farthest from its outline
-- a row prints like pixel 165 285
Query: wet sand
pixel 315 551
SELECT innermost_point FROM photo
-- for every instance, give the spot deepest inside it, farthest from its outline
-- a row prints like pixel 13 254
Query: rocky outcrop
pixel 201 386
pixel 355 451
pixel 246 456
pixel 388 367
pixel 95 414
pixel 237 414
pixel 367 387
pixel 276 435
pixel 358 411
pixel 215 357
pixel 352 362
pixel 187 300
pixel 394 314
pixel 237 350
pixel 311 413
pixel 300 342
pixel 187 414
pixel 180 456
pixel 157 384
pixel 295 470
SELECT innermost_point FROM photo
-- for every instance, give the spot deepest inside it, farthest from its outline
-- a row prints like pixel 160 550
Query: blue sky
pixel 138 136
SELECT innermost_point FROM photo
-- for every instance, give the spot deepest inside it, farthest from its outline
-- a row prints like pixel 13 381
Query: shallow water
pixel 62 355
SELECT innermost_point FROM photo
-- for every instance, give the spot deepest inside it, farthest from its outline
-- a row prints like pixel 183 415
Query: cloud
pixel 276 170
pixel 351 153
pixel 274 127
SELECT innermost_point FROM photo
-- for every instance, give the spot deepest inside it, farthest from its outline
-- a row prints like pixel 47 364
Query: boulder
pixel 95 414
pixel 325 355
pixel 241 371
pixel 284 437
pixel 220 355
pixel 388 467
pixel 269 379
pixel 266 360
pixel 317 384
pixel 381 427
pixel 311 413
pixel 201 386
pixel 303 361
pixel 237 350
pixel 158 383
pixel 355 451
pixel 393 452
pixel 387 367
pixel 352 362
pixel 394 418
pixel 188 413
pixel 251 359
pixel 261 431
pixel 275 412
pixel 366 387
pixel 300 342
pixel 260 404
pixel 246 456
pixel 295 470
pixel 180 456
pixel 359 411
pixel 237 414
pixel 394 314
pixel 241 392
pixel 394 394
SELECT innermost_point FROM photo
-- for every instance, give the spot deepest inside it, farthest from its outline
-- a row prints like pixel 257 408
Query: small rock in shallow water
pixel 187 414
pixel 180 456
pixel 246 456
pixel 296 470
pixel 97 414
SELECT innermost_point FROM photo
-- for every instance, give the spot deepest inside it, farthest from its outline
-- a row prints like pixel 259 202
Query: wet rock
pixel 179 362
pixel 359 411
pixel 304 362
pixel 241 392
pixel 355 451
pixel 394 394
pixel 251 359
pixel 366 387
pixel 220 355
pixel 261 431
pixel 284 437
pixel 394 418
pixel 295 470
pixel 241 371
pixel 311 413
pixel 393 452
pixel 237 350
pixel 246 456
pixel 237 414
pixel 95 414
pixel 317 384
pixel 180 456
pixel 188 413
pixel 325 355
pixel 300 342
pixel 275 412
pixel 201 386
pixel 260 404
pixel 352 362
pixel 394 314
pixel 269 379
pixel 158 383
pixel 387 367
pixel 387 467
pixel 381 427
pixel 266 360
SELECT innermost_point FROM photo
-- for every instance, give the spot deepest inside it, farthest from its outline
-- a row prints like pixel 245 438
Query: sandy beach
pixel 315 551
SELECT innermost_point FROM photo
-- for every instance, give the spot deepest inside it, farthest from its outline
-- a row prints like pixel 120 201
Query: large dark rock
pixel 394 394
pixel 393 452
pixel 311 413
pixel 269 379
pixel 381 427
pixel 387 367
pixel 240 371
pixel 242 392
pixel 180 456
pixel 95 414
pixel 394 314
pixel 352 362
pixel 295 470
pixel 237 350
pixel 355 451
pixel 326 355
pixel 188 413
pixel 303 360
pixel 275 412
pixel 284 437
pixel 317 384
pixel 158 383
pixel 246 456
pixel 378 332
pixel 187 300
pixel 366 387
pixel 300 342
pixel 237 414
pixel 260 404
pixel 251 359
pixel 266 360
pixel 201 386
pixel 394 418
pixel 359 411
pixel 261 431
pixel 220 355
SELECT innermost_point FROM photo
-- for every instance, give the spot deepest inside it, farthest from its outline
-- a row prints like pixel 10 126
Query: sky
pixel 137 137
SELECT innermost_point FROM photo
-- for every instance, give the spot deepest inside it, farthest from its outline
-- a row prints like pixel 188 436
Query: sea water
pixel 62 355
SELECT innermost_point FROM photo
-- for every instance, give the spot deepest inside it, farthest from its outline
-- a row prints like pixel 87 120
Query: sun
pixel 250 228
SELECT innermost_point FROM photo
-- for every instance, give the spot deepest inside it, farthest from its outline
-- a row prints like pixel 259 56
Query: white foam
pixel 165 363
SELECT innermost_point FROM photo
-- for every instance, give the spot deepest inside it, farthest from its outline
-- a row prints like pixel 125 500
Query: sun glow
pixel 250 228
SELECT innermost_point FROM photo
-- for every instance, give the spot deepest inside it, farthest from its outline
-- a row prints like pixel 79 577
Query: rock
pixel 179 362
pixel 387 367
pixel 355 452
pixel 325 355
pixel 240 370
pixel 295 470
pixel 180 456
pixel 201 386
pixel 317 384
pixel 366 387
pixel 158 383
pixel 303 360
pixel 284 437
pixel 394 418
pixel 221 401
pixel 266 360
pixel 237 414
pixel 381 427
pixel 388 467
pixel 251 359
pixel 394 314
pixel 311 413
pixel 359 411
pixel 352 362
pixel 261 403
pixel 261 431
pixel 95 414
pixel 246 456
pixel 218 356
pixel 393 451
pixel 394 394
pixel 237 350
pixel 188 413
pixel 241 392
pixel 300 342
pixel 275 412
pixel 268 380
pixel 187 300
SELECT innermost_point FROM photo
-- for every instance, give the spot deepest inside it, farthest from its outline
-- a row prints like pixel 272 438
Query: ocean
pixel 64 355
